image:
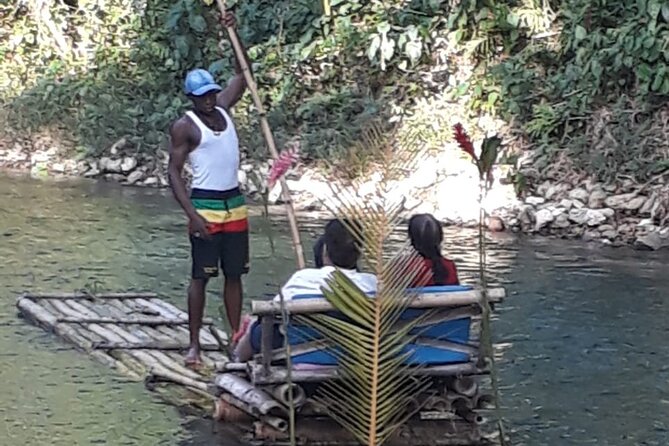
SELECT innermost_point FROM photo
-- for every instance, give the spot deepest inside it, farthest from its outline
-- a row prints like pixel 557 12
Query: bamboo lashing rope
pixel 253 88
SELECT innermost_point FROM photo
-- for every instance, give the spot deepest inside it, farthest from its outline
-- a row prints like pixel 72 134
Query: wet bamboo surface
pixel 144 338
pixel 137 334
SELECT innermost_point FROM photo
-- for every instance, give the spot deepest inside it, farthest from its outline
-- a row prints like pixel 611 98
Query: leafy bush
pixel 113 69
pixel 560 66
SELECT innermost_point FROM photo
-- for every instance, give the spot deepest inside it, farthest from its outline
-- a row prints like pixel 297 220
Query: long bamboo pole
pixel 264 124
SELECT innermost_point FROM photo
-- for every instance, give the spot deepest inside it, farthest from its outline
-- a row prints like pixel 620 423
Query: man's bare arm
pixel 237 85
pixel 179 150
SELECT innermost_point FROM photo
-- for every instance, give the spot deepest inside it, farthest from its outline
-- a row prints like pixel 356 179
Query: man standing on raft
pixel 216 209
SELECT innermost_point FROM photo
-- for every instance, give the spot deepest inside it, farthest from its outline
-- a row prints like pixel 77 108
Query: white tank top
pixel 215 161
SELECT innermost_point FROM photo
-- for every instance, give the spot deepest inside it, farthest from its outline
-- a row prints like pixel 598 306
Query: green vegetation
pixel 582 81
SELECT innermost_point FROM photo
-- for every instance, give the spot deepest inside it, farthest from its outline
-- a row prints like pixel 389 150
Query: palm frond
pixel 377 385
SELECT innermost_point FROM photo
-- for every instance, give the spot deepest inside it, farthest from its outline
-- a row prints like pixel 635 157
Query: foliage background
pixel 583 82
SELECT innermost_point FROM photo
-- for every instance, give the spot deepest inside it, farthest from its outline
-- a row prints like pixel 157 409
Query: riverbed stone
pixel 134 177
pixel 561 222
pixel 566 203
pixel 648 205
pixel 535 201
pixel 577 204
pixel 629 202
pixel 578 216
pixel 610 235
pixel 597 199
pixel 92 172
pixel 542 218
pixel 651 241
pixel 118 146
pixel 151 181
pixel 590 235
pixel 128 164
pixel 590 217
pixel 555 191
pixel 114 177
pixel 579 194
pixel 110 165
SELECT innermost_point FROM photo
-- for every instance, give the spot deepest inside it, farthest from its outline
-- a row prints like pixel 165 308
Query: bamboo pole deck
pixel 133 333
pixel 144 338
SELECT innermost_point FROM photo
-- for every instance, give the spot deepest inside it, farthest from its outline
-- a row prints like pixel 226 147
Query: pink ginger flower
pixel 281 165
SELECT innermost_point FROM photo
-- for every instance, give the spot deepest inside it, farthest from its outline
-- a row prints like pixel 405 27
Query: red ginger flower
pixel 464 141
pixel 281 165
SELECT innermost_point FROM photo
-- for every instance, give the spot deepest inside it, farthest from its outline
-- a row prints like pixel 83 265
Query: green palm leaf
pixel 376 386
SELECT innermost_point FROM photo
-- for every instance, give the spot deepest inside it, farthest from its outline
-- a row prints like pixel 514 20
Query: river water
pixel 583 357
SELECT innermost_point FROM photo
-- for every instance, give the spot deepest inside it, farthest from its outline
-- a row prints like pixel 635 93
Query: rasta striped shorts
pixel 228 246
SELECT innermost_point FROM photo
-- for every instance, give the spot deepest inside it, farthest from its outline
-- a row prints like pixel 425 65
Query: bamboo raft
pixel 144 338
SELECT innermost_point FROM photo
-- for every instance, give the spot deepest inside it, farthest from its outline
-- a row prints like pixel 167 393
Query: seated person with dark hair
pixel 433 268
pixel 340 251
pixel 319 250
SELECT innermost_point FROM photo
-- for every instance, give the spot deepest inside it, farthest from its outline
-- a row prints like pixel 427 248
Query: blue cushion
pixel 454 331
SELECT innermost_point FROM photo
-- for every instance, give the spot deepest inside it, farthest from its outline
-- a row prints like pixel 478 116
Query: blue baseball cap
pixel 199 82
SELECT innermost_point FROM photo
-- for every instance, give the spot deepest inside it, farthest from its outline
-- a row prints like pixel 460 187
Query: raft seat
pixel 447 338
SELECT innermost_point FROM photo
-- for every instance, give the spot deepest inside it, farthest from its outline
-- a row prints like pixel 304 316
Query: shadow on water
pixel 582 357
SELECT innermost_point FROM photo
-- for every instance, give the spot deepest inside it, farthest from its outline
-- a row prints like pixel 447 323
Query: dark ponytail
pixel 426 236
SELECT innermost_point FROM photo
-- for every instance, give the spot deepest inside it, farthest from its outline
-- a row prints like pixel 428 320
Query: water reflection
pixel 582 357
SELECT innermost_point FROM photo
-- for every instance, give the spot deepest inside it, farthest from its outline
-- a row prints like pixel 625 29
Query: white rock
pixel 590 235
pixel 543 188
pixel 594 217
pixel 561 222
pixel 134 177
pixel 543 217
pixel 578 204
pixel 58 167
pixel 39 157
pixel 110 165
pixel 611 234
pixel 652 240
pixel 597 199
pixel 607 212
pixel 591 217
pixel 242 177
pixel 555 210
pixel 647 207
pixel 579 194
pixel 535 201
pixel 635 203
pixel 118 145
pixel 646 222
pixel 128 164
pixel 630 202
pixel 92 172
pixel 578 216
pixel 567 204
pixel 151 181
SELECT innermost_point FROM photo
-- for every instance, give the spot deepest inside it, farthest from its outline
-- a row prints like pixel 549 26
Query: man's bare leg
pixel 232 297
pixel 196 299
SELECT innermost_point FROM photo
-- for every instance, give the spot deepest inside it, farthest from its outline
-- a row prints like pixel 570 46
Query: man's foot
pixel 193 358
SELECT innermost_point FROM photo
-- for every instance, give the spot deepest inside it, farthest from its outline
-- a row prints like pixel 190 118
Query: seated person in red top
pixel 426 236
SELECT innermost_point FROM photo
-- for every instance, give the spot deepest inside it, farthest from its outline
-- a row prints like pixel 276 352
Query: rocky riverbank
pixel 445 185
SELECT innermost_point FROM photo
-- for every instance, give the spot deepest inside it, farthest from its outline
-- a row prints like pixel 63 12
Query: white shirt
pixel 310 281
pixel 215 161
